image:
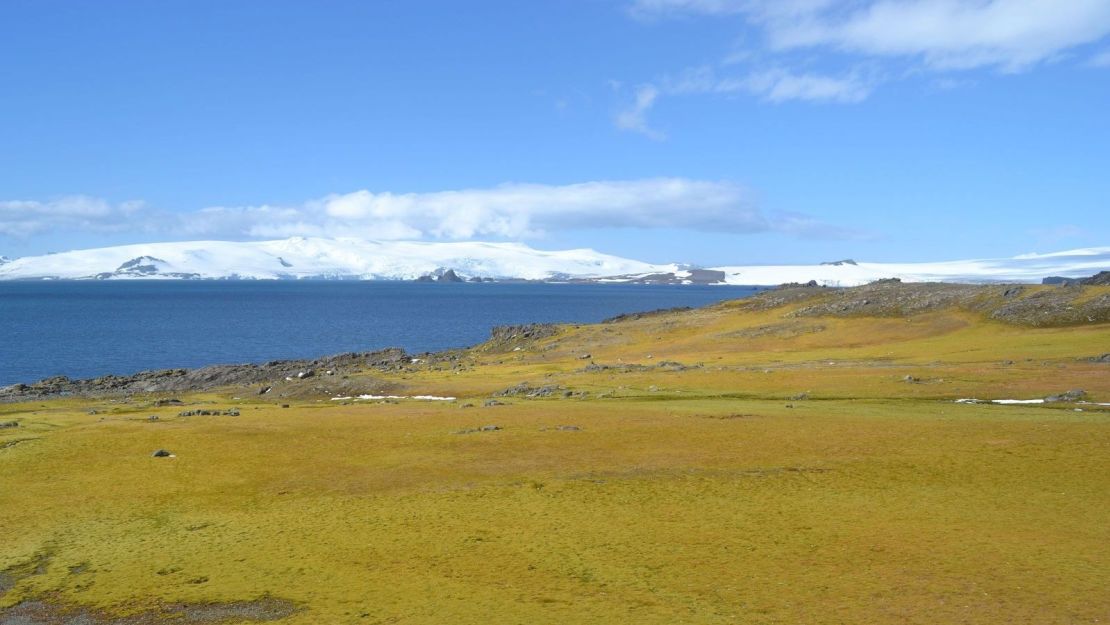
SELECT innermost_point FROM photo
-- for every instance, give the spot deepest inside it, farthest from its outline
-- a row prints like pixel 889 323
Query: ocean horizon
pixel 84 329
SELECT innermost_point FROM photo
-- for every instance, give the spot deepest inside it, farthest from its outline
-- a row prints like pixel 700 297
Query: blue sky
pixel 703 131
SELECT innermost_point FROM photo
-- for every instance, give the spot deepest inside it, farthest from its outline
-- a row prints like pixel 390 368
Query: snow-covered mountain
pixel 1025 268
pixel 301 258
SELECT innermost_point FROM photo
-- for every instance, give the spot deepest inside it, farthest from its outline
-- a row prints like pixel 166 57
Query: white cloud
pixel 1011 35
pixel 634 118
pixel 508 211
pixel 781 85
pixel 937 36
pixel 22 218
pixel 774 85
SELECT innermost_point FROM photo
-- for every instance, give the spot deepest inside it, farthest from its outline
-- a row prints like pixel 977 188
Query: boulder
pixel 1067 396
pixel 160 453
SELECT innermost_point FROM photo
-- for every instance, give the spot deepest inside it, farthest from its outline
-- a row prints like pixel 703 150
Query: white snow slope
pixel 1025 268
pixel 321 258
pixel 300 258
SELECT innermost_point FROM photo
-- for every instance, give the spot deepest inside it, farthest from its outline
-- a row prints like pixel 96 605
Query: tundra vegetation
pixel 795 457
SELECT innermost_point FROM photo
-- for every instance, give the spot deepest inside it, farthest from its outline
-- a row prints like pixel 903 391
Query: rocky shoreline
pixel 1015 304
pixel 262 376
pixel 329 375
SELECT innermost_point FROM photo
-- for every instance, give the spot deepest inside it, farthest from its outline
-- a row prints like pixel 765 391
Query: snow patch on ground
pixel 416 397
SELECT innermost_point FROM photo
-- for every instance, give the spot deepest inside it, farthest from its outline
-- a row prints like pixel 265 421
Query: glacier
pixel 359 259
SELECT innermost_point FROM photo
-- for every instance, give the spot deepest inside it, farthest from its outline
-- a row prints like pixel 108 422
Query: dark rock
pixel 265 389
pixel 305 374
pixel 1012 291
pixel 449 276
pixel 489 428
pixel 233 412
pixel 1101 278
pixel 205 378
pixel 515 335
pixel 838 263
pixel 168 402
pixel 526 390
pixel 1102 358
pixel 492 402
pixel 643 315
pixel 1068 396
pixel 152 417
pixel 584 357
pixel 568 428
pixel 140 266
pixel 160 453
pixel 8 424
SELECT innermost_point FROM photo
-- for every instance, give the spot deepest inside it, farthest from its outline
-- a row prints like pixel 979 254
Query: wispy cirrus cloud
pixel 634 118
pixel 508 211
pixel 1010 35
pixel 773 84
pixel 787 39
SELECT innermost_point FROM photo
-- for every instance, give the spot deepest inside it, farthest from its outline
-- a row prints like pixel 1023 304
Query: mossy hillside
pixel 688 494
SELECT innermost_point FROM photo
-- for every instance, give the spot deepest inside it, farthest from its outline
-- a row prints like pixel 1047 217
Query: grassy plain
pixel 775 469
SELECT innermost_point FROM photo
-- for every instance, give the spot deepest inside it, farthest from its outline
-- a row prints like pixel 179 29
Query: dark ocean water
pixel 86 329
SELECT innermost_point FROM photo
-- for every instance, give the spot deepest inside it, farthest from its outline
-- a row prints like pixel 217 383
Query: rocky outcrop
pixel 449 276
pixel 644 315
pixel 1006 303
pixel 1101 278
pixel 442 274
pixel 527 390
pixel 519 336
pixel 205 378
pixel 145 267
